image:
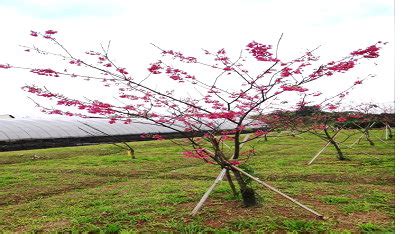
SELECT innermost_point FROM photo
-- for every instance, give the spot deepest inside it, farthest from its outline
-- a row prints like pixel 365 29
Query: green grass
pixel 100 188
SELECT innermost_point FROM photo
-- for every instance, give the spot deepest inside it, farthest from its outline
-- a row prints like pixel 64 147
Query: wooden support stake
pixel 386 132
pixel 318 153
pixel 382 140
pixel 205 196
pixel 357 140
pixel 321 151
pixel 244 140
pixel 279 192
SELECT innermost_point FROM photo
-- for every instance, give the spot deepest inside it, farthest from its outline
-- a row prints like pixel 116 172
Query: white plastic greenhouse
pixel 25 133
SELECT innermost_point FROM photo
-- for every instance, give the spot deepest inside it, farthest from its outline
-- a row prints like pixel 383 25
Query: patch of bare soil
pixel 219 213
pixel 35 193
pixel 56 225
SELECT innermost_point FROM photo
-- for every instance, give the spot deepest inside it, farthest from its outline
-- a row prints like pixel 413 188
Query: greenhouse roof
pixel 30 129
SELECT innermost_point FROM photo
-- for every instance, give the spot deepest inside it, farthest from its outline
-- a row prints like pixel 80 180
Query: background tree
pixel 311 119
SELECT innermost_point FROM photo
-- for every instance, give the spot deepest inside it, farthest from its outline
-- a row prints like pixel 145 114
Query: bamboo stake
pixel 321 151
pixel 382 140
pixel 279 192
pixel 354 143
pixel 205 196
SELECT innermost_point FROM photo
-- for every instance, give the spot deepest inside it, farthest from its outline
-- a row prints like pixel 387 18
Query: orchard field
pixel 100 188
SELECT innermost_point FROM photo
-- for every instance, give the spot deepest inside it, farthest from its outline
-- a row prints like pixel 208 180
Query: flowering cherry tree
pixel 375 115
pixel 210 92
pixel 325 125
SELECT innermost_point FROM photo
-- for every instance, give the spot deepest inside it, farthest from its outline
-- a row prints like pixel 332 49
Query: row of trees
pixel 328 125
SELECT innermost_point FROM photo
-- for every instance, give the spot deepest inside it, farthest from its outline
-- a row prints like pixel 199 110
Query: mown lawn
pixel 100 188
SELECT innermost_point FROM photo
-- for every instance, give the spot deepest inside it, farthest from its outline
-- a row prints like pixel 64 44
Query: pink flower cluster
pixel 260 51
pixel 50 32
pixel 155 68
pixel 293 88
pixel 177 74
pixel 173 73
pixel 370 52
pixel 355 116
pixel 157 137
pixel 5 66
pixel 341 119
pixel 342 66
pixel 38 91
pixel 100 108
pixel 131 97
pixel 221 115
pixel 285 72
pixel 122 70
pixel 47 33
pixel 332 107
pixel 45 72
pixel 68 102
pixel 75 62
pixel 180 56
pixel 197 153
pixel 222 57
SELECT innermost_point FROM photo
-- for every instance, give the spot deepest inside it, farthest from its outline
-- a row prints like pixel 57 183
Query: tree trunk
pixel 231 184
pixel 390 135
pixel 131 153
pixel 248 194
pixel 339 151
pixel 334 143
pixel 368 138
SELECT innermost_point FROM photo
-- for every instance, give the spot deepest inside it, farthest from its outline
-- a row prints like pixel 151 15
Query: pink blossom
pixel 341 119
pixel 197 153
pixel 45 72
pixel 332 107
pixel 180 56
pixel 155 68
pixel 157 137
pixel 260 51
pixel 286 72
pixel 50 32
pixel 370 52
pixel 293 88
pixel 342 66
pixel 122 70
pixel 5 66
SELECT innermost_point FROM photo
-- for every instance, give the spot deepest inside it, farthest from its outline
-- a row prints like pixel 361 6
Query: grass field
pixel 99 188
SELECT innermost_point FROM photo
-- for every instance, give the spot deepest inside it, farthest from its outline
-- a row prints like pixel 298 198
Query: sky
pixel 339 27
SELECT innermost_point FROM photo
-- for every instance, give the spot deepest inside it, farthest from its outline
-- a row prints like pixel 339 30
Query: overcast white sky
pixel 339 26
